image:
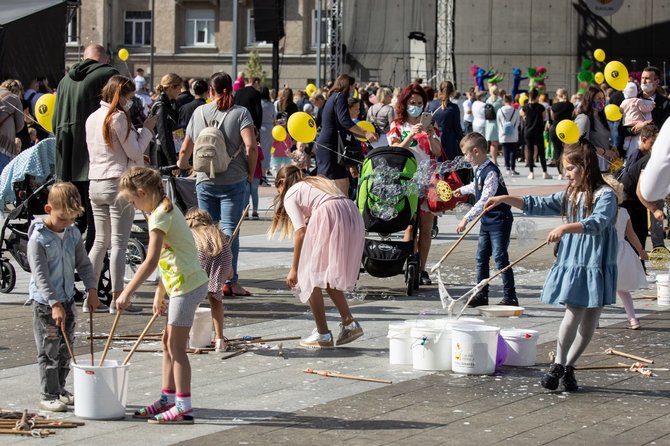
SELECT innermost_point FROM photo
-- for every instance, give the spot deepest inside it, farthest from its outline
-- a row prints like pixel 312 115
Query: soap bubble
pixel 461 210
pixel 525 230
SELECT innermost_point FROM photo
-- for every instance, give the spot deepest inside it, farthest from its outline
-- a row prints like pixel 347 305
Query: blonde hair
pixel 65 197
pixel 616 186
pixel 208 237
pixel 288 176
pixel 562 94
pixel 383 93
pixel 147 179
pixel 13 86
pixel 168 80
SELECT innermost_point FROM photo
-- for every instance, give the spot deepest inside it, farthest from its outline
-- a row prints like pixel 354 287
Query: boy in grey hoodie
pixel 55 250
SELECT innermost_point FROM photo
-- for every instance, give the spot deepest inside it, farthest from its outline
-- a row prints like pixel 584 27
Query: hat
pixel 630 91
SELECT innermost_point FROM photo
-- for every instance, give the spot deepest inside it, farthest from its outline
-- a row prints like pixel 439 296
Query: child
pixel 326 252
pixel 631 274
pixel 280 149
pixel 252 188
pixel 216 260
pixel 300 157
pixel 583 279
pixel 634 110
pixel 172 249
pixel 496 225
pixel 55 250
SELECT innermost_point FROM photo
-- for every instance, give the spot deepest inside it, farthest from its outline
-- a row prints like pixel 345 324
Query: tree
pixel 255 68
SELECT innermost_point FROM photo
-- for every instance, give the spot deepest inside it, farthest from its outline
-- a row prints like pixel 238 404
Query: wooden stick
pixel 239 224
pixel 111 335
pixel 144 332
pixel 611 351
pixel 332 374
pixel 444 257
pixel 134 337
pixel 39 433
pixel 90 329
pixel 195 351
pixel 237 353
pixel 645 298
pixel 67 343
pixel 604 367
pixel 264 341
pixel 42 424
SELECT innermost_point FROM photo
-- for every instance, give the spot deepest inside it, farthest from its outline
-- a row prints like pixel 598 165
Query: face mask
pixel 599 106
pixel 414 110
pixel 648 88
pixel 128 105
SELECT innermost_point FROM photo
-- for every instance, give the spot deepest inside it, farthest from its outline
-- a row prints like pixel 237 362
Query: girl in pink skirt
pixel 326 252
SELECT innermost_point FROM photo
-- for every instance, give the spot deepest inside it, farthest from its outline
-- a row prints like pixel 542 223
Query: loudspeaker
pixel 269 20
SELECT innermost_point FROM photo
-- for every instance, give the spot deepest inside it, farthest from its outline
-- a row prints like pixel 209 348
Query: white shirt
pixel 655 180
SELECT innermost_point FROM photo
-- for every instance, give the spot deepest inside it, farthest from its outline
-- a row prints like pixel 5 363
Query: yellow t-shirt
pixel 178 266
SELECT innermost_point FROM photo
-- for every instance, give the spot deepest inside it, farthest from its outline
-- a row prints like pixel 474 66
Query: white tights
pixel 627 301
pixel 575 333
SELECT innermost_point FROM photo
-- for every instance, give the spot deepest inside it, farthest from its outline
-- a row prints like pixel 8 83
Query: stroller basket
pixel 386 258
pixel 17 245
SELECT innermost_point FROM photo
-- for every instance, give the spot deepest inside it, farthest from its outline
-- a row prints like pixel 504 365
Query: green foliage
pixel 255 68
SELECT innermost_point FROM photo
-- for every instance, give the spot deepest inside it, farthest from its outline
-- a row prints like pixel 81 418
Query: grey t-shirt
pixel 235 120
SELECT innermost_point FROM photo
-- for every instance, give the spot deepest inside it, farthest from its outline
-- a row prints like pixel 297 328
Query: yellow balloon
pixel 599 78
pixel 310 89
pixel 567 131
pixel 599 55
pixel 123 54
pixel 616 75
pixel 44 111
pixel 523 99
pixel 613 112
pixel 367 126
pixel 279 133
pixel 301 127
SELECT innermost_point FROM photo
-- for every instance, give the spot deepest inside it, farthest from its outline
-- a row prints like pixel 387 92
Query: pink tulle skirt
pixel 332 249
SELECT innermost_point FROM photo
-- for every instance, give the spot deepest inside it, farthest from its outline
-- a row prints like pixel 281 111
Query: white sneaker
pixel 53 405
pixel 67 398
pixel 349 333
pixel 531 176
pixel 560 177
pixel 317 340
pixel 546 176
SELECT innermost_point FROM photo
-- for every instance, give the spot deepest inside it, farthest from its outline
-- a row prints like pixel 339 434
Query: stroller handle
pixel 167 170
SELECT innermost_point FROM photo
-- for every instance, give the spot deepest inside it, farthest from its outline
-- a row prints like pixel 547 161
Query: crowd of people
pixel 111 133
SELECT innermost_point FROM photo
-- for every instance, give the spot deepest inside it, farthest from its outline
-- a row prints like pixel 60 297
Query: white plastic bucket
pixel 474 349
pixel 521 346
pixel 431 348
pixel 400 343
pixel 663 288
pixel 100 392
pixel 200 335
pixel 447 322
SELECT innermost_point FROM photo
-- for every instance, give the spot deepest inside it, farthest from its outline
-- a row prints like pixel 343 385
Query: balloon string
pixel 335 151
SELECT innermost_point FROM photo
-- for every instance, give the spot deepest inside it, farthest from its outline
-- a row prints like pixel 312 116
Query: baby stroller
pixel 386 208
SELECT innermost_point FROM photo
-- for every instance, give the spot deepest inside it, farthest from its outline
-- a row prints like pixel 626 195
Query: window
pixel 199 27
pixel 315 27
pixel 251 31
pixel 71 36
pixel 137 28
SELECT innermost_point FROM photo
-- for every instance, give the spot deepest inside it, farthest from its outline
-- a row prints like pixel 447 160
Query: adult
pixel 479 113
pixel 185 96
pixel 113 147
pixel 560 110
pixel 335 122
pixel 592 123
pixel 249 97
pixel 79 96
pixel 467 110
pixel 267 123
pixel 491 132
pixel 508 133
pixel 37 88
pixel 649 86
pixel 448 119
pixel 11 119
pixel 223 195
pixel 655 181
pixel 166 120
pixel 200 89
pixel 381 114
pixel 318 101
pixel 424 143
pixel 285 103
pixel 534 114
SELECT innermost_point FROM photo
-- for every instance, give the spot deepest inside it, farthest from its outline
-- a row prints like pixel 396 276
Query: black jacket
pixel 166 123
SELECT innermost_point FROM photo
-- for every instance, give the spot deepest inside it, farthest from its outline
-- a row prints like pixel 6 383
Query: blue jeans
pixel 495 243
pixel 225 204
pixel 252 191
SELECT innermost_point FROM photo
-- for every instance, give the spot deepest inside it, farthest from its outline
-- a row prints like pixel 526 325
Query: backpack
pixel 210 150
pixel 508 128
pixel 489 112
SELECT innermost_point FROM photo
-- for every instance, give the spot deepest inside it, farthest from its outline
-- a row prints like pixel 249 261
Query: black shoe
pixel 479 300
pixel 510 301
pixel 425 278
pixel 569 380
pixel 550 379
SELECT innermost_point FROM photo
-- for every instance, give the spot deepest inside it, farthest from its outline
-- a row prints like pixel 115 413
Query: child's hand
pixel 58 315
pixel 292 278
pixel 658 215
pixel 122 302
pixel 555 235
pixel 644 255
pixel 354 172
pixel 457 193
pixel 159 306
pixel 461 225
pixel 93 300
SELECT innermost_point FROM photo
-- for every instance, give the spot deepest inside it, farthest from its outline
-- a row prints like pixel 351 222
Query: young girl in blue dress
pixel 584 277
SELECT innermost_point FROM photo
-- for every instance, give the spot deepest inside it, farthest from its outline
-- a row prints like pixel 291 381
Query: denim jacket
pixel 53 261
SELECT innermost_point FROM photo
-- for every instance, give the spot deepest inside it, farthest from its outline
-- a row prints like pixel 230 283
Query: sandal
pixel 143 413
pixel 180 419
pixel 633 324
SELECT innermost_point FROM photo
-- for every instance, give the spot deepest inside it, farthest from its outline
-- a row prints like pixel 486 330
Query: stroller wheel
pixel 409 280
pixel 8 276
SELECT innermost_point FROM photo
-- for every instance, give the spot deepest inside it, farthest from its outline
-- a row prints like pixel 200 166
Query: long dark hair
pixel 401 105
pixel 222 85
pixel 582 154
pixel 342 84
pixel 586 106
pixel 117 87
pixel 446 90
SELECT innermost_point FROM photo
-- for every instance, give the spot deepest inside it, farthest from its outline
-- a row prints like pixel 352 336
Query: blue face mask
pixel 414 110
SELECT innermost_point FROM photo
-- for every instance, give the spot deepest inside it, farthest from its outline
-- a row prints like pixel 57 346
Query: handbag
pixel 349 151
pixel 440 192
